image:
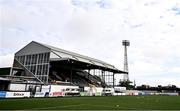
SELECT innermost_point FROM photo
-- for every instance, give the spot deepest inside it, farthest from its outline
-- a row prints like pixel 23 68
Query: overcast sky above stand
pixel 96 28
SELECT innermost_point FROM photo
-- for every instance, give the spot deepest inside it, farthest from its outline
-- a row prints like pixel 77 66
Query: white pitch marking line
pixel 56 106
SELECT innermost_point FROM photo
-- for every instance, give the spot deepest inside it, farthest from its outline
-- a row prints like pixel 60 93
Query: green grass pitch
pixel 94 103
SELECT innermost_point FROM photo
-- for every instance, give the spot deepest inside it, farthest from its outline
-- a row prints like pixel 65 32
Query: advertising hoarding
pixel 17 94
pixel 2 94
pixel 39 94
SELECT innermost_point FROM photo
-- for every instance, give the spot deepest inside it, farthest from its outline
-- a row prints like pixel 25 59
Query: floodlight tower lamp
pixel 125 43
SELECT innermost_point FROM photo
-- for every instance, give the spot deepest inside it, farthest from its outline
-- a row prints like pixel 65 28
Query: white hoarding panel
pixel 17 94
pixel 39 94
pixel 56 90
pixel 119 88
pixel 17 87
pixel 45 88
pixel 93 91
pixel 59 90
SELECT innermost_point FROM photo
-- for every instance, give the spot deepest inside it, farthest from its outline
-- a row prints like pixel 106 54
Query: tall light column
pixel 125 43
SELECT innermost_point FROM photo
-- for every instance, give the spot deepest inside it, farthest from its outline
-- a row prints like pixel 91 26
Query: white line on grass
pixel 102 106
pixel 119 107
pixel 55 107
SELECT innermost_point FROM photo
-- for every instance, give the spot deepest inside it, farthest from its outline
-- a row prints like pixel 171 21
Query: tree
pixel 126 83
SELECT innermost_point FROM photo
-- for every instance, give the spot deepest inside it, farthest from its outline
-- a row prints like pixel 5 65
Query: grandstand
pixel 50 64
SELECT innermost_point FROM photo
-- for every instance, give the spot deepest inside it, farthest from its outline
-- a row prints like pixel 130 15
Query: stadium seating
pixel 79 77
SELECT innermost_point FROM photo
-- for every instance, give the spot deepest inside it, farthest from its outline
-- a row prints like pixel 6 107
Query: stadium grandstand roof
pixel 75 56
pixel 59 54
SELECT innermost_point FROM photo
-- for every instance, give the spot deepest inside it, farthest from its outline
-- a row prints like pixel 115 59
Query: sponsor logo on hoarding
pixel 39 93
pixel 18 94
pixel 56 93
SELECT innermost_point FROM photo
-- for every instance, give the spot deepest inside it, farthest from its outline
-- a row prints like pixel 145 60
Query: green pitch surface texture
pixel 94 103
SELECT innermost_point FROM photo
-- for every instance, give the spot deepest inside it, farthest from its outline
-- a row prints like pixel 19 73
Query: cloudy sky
pixel 96 28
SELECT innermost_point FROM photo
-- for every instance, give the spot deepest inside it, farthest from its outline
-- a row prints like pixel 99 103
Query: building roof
pixel 4 79
pixel 61 53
